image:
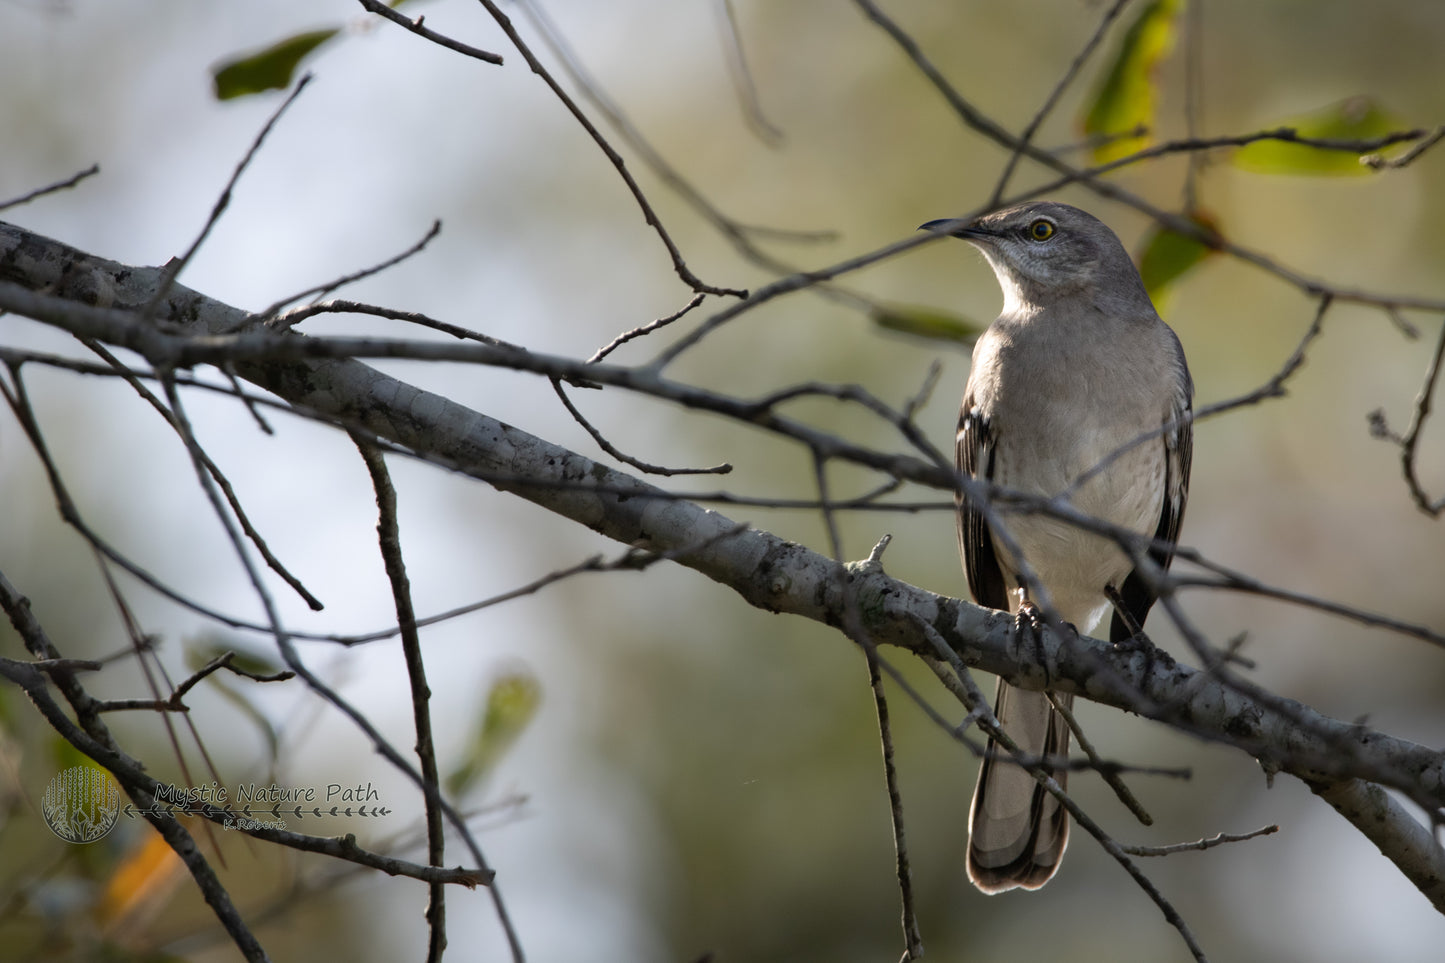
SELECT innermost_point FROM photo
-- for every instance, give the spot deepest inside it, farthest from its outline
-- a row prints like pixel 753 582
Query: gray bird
pixel 1076 367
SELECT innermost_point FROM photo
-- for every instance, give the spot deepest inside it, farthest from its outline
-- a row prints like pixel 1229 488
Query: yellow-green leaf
pixel 1167 255
pixel 1124 101
pixel 926 322
pixel 511 703
pixel 269 69
pixel 1356 118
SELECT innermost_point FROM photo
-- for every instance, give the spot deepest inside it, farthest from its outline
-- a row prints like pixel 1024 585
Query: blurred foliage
pixel 204 648
pixel 1126 98
pixel 207 646
pixel 511 703
pixel 1165 256
pixel 1355 118
pixel 142 881
pixel 272 67
pixel 269 69
pixel 934 324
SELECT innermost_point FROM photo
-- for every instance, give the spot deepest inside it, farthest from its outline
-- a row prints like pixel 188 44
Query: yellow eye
pixel 1041 230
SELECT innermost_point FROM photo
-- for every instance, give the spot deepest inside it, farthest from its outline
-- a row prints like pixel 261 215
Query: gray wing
pixel 1178 441
pixel 973 453
pixel 1016 831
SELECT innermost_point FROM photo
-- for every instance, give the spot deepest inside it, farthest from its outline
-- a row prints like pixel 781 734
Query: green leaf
pixel 511 703
pixel 269 69
pixel 1356 118
pixel 926 322
pixel 1125 99
pixel 1167 255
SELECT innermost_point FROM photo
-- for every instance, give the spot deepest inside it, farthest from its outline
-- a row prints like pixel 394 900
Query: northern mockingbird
pixel 1076 367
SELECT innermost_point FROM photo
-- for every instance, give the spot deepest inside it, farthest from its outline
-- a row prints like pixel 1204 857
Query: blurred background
pixel 700 776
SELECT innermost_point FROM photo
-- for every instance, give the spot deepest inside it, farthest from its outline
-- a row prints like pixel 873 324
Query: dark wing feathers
pixel 973 453
pixel 1138 597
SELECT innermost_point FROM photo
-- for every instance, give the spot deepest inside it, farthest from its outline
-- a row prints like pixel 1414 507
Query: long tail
pixel 1017 831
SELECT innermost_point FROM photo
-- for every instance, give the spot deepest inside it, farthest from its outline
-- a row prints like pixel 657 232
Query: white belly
pixel 1074 565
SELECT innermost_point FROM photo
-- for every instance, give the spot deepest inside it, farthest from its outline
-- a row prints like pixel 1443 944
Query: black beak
pixel 954 227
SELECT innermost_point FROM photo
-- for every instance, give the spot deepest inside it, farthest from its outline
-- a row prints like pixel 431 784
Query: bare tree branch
pixel 781 576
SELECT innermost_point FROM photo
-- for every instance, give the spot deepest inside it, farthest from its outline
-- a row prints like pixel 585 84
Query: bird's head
pixel 1043 251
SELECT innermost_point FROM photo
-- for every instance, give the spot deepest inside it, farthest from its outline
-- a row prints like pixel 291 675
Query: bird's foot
pixel 1029 624
pixel 1138 642
pixel 1141 643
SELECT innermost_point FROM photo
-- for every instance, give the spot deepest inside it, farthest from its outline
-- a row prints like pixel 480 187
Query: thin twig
pixel 1199 844
pixel 1401 322
pixel 175 266
pixel 152 705
pixel 622 456
pixel 67 665
pixel 1094 141
pixel 853 627
pixel 174 703
pixel 1027 136
pixel 321 290
pixel 740 235
pixel 289 319
pixel 632 560
pixel 924 392
pixel 389 539
pixel 66 184
pixel 1410 442
pixel 678 265
pixel 1380 162
pixel 246 400
pixel 272 562
pixel 913 940
pixel 1109 773
pixel 645 329
pixel 226 660
pixel 416 26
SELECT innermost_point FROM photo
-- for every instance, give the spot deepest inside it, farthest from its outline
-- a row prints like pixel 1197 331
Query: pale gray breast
pixel 1065 415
